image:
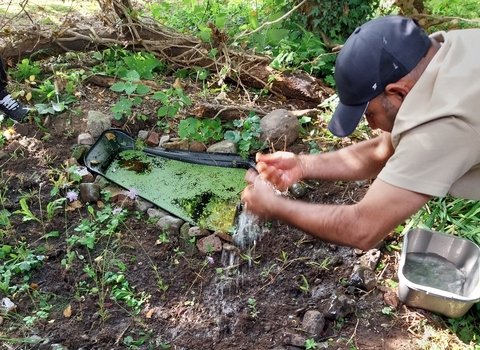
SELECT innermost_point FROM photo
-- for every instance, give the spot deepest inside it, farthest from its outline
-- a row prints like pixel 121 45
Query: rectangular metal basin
pixel 464 254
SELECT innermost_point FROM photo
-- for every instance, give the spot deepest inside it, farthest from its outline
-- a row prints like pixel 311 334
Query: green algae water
pixel 433 270
pixel 200 194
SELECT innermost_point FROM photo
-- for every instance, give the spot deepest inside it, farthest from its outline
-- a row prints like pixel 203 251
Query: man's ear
pixel 399 88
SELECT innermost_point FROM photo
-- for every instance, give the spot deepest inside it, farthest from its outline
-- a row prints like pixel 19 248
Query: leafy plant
pixel 26 212
pixel 305 287
pixel 129 86
pixel 310 344
pixel 204 130
pixel 25 69
pixel 304 50
pixel 252 305
pixel 173 99
pixel 450 215
pixel 329 17
pixel 122 291
pixel 247 134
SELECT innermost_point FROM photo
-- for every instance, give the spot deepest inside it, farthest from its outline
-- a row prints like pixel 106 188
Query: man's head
pixel 378 53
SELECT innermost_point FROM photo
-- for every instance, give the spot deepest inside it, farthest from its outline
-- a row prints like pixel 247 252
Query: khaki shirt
pixel 436 134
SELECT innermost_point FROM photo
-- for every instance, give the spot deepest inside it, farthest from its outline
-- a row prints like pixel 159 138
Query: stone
pixel 78 151
pixel 197 147
pixel 370 259
pixel 198 232
pixel 297 190
pixel 209 244
pixel 170 224
pixel 224 236
pixel 294 339
pixel 280 128
pixel 3 155
pixel 85 139
pixel 338 306
pixel 155 213
pixel 181 144
pixel 101 181
pixel 225 146
pixel 163 139
pixel 89 192
pixel 390 298
pixel 142 205
pixel 97 123
pixel 142 134
pixel 363 278
pixel 153 139
pixel 83 172
pixel 313 322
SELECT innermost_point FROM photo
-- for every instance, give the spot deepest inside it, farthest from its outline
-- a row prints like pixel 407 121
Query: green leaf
pixel 142 89
pixel 220 20
pixel 132 75
pixel 186 100
pixel 162 111
pixel 118 86
pixel 232 135
pixel 159 95
pixel 130 87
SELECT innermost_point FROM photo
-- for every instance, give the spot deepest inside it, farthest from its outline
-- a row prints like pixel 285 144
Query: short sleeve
pixel 431 157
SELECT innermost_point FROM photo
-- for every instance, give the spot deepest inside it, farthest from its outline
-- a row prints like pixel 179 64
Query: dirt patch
pixel 257 304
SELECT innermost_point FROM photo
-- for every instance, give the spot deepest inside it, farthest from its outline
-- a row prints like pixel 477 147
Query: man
pixel 424 93
pixel 8 105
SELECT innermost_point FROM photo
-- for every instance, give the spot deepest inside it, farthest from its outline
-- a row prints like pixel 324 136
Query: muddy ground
pixel 256 305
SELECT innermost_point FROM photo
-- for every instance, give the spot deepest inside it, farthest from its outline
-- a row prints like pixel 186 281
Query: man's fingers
pixel 250 176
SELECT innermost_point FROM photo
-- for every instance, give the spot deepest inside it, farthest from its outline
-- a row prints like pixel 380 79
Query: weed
pixel 26 212
pixel 122 291
pixel 252 305
pixel 310 344
pixel 305 287
pixel 389 310
pixel 205 130
pixel 338 324
pixel 247 134
pixel 267 271
pixel 323 265
pixel 173 100
pixel 163 238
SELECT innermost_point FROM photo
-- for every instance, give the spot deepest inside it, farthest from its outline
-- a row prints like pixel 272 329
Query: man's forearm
pixel 363 160
pixel 330 223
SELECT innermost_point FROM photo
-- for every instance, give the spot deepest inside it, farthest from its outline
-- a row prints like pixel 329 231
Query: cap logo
pixel 374 87
pixel 385 41
pixel 395 66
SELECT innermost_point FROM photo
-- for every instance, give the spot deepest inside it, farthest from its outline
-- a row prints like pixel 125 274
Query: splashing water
pixel 248 231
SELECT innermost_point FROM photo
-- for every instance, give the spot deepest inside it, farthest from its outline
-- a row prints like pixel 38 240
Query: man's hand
pixel 259 196
pixel 282 169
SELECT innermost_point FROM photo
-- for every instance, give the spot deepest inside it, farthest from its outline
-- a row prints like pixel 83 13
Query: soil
pixel 203 307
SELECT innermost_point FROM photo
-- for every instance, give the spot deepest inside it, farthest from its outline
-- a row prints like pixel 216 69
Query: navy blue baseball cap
pixel 378 53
